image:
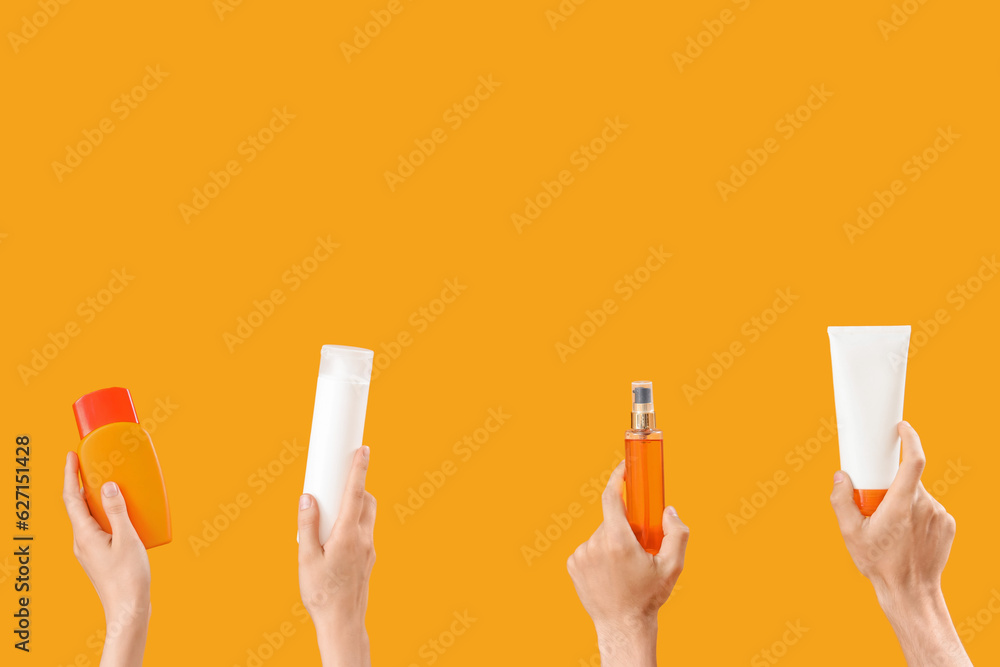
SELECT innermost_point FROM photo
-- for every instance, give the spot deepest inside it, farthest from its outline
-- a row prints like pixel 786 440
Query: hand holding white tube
pixel 902 549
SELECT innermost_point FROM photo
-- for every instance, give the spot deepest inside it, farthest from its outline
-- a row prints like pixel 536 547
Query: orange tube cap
pixel 868 500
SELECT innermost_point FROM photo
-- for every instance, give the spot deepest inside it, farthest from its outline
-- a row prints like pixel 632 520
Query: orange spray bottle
pixel 644 503
pixel 114 448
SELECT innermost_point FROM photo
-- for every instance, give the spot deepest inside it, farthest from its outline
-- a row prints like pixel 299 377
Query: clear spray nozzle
pixel 643 415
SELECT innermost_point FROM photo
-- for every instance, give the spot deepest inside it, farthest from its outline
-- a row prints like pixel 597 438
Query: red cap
pixel 868 500
pixel 102 407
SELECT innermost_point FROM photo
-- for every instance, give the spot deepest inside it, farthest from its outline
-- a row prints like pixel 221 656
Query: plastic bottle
pixel 114 448
pixel 337 427
pixel 644 502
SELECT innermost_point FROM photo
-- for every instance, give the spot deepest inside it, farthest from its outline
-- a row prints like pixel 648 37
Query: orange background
pixel 495 345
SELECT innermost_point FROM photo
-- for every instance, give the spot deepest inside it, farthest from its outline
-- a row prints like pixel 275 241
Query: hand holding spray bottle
pixel 644 502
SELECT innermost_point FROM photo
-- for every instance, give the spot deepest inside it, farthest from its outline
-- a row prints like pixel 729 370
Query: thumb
pixel 114 506
pixel 670 557
pixel 309 544
pixel 842 498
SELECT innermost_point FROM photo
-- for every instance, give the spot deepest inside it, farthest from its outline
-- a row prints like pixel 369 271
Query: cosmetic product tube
pixel 644 470
pixel 115 448
pixel 337 427
pixel 869 376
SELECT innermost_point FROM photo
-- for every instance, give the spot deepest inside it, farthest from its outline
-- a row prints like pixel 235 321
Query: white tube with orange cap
pixel 869 377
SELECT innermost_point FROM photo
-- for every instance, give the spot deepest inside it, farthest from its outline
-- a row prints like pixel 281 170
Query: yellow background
pixel 495 346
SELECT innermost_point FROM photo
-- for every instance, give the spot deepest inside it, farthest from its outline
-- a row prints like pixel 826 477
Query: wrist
pixel 342 643
pixel 910 603
pixel 922 624
pixel 128 614
pixel 627 641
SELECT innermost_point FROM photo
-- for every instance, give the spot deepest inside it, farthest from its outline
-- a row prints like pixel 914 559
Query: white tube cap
pixel 346 364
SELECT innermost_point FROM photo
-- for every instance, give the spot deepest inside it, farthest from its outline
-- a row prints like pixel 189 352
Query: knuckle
pixel 673 566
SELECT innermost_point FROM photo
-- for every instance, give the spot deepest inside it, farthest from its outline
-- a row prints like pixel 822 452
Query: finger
pixel 309 542
pixel 354 495
pixel 913 461
pixel 842 498
pixel 674 545
pixel 368 510
pixel 76 506
pixel 614 507
pixel 114 506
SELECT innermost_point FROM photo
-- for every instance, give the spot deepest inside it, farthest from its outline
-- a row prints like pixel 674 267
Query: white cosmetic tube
pixel 337 427
pixel 869 376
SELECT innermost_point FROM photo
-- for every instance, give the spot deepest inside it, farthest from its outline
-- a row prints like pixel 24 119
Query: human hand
pixel 116 564
pixel 902 549
pixel 622 586
pixel 334 574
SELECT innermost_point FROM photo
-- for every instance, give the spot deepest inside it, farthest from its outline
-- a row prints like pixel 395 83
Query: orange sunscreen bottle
pixel 114 448
pixel 644 470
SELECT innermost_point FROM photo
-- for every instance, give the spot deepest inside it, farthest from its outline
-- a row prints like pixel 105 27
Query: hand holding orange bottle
pixel 116 564
pixel 622 586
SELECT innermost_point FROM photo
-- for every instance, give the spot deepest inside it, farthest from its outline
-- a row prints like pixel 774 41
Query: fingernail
pixel 110 490
pixel 69 455
pixel 365 452
pixel 671 511
pixel 838 477
pixel 305 502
